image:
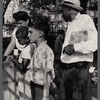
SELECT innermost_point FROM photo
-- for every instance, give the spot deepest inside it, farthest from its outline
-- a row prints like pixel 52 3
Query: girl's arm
pixel 10 47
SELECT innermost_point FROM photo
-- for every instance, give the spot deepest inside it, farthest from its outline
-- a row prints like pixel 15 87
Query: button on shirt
pixel 82 33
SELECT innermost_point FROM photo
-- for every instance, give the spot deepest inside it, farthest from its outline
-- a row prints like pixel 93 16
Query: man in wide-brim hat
pixel 77 52
pixel 75 4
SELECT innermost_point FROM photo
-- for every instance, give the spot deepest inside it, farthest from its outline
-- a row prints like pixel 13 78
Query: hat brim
pixel 72 6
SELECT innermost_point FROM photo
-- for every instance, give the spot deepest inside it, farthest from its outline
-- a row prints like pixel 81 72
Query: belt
pixel 74 65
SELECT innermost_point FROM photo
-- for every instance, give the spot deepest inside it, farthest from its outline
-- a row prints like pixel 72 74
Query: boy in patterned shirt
pixel 43 58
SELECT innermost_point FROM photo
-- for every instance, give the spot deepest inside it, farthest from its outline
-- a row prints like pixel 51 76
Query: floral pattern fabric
pixel 43 58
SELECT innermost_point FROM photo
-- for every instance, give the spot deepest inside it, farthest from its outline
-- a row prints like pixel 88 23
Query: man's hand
pixel 69 49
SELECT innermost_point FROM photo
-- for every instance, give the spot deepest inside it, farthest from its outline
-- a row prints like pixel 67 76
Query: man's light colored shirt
pixel 82 33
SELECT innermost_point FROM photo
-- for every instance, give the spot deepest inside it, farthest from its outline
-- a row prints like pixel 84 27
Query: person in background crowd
pixel 12 7
pixel 77 52
pixel 58 47
pixel 24 72
pixel 55 86
pixel 43 59
pixel 22 19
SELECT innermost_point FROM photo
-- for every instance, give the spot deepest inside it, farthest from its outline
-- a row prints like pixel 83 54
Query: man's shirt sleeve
pixel 90 45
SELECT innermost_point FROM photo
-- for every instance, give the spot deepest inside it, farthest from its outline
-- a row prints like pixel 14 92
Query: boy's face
pixel 33 34
pixel 23 41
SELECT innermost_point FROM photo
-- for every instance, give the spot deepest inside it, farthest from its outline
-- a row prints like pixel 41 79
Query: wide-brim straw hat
pixel 75 4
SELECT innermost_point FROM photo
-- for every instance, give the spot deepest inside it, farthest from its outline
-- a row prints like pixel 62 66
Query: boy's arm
pixel 22 67
pixel 25 63
pixel 14 63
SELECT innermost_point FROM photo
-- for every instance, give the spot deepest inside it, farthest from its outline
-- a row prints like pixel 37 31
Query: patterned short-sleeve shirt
pixel 43 58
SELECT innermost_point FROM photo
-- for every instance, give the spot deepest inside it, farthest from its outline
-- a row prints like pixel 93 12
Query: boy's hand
pixel 9 58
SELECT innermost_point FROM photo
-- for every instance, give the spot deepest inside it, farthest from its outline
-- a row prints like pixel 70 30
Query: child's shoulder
pixel 47 48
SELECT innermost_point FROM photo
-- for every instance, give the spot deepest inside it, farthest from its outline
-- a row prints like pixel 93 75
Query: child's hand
pixel 9 58
pixel 23 71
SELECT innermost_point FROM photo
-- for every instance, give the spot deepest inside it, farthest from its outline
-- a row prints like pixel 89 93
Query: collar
pixel 77 17
pixel 44 42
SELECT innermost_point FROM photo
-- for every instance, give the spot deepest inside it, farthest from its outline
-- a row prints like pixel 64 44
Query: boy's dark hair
pixel 61 31
pixel 22 32
pixel 21 15
pixel 41 23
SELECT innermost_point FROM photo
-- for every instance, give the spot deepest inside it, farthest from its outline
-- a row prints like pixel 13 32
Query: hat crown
pixel 75 2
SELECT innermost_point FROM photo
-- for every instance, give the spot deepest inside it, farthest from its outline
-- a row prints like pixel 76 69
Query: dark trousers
pixel 36 91
pixel 75 81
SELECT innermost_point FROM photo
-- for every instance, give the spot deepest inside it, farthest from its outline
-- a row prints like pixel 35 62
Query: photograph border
pixel 98 89
pixel 1 22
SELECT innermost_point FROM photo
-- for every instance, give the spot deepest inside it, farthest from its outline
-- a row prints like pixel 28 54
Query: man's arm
pixel 90 45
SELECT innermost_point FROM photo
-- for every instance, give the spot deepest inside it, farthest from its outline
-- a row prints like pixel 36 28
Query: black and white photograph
pixel 50 50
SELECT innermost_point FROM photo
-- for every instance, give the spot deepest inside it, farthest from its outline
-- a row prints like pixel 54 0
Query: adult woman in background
pixel 22 19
